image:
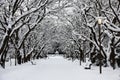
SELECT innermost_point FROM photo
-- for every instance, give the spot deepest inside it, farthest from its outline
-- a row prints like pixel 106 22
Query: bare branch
pixel 114 11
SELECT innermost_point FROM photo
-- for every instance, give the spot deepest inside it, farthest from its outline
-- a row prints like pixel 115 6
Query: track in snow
pixel 56 68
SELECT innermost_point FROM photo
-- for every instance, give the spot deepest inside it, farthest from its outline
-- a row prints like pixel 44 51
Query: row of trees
pixel 17 19
pixel 28 28
pixel 103 38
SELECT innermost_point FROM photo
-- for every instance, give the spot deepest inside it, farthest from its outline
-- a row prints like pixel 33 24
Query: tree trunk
pixel 112 54
pixel 112 57
pixel 24 58
pixel 3 56
pixel 4 50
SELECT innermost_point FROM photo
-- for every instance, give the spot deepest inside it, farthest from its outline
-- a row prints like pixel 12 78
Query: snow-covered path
pixel 56 68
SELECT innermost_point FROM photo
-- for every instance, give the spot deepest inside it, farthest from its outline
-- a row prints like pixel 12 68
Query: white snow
pixel 57 68
pixel 112 26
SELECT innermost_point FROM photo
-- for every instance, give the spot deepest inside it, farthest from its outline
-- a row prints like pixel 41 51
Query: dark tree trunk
pixel 112 54
pixel 3 51
pixel 3 56
pixel 81 55
pixel 18 57
pixel 24 58
pixel 112 57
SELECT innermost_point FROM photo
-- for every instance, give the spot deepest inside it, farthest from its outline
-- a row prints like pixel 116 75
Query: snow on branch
pixel 112 27
pixel 29 12
pixel 90 41
pixel 30 51
pixel 83 37
pixel 113 10
pixel 4 37
pixel 21 25
pixel 109 34
pixel 2 29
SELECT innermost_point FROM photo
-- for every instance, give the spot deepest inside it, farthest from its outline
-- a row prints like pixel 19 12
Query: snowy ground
pixel 56 68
